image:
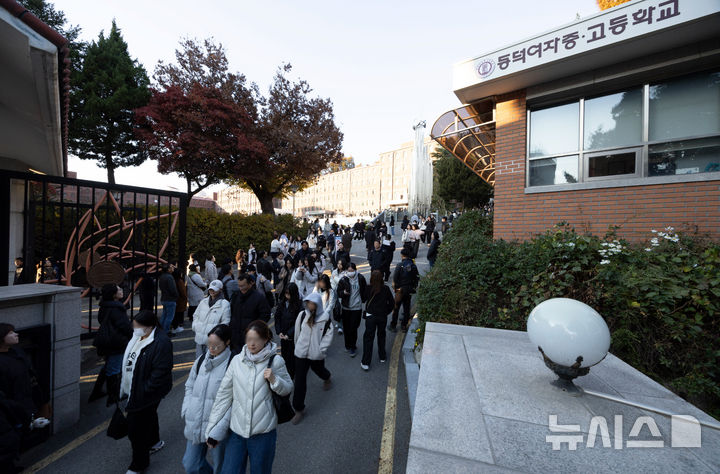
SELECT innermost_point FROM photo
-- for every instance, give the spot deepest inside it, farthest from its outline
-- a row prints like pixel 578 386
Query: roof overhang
pixel 468 133
pixel 599 43
pixel 32 94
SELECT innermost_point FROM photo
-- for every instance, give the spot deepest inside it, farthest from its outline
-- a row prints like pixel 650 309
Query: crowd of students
pixel 312 292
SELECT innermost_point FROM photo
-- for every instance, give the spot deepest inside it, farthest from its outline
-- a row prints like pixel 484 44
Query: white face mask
pixel 139 332
pixel 350 274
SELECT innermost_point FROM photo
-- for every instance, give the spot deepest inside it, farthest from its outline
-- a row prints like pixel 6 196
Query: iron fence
pixel 63 227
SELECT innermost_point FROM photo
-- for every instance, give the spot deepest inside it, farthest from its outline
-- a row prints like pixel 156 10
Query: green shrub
pixel 661 299
pixel 223 234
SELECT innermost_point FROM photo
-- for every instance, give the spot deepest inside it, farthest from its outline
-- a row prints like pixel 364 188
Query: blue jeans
pixel 167 315
pixel 113 364
pixel 195 459
pixel 392 230
pixel 259 448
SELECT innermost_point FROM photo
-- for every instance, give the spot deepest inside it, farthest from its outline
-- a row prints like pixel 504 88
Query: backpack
pixel 408 272
pixel 202 359
pixel 325 329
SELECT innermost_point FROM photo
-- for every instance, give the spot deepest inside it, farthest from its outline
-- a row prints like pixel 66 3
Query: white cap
pixel 216 285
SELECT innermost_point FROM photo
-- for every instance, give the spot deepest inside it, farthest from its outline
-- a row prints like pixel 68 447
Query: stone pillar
pixel 26 306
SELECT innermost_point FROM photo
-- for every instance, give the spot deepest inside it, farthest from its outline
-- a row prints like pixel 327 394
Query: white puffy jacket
pixel 200 390
pixel 206 318
pixel 245 393
pixel 310 342
pixel 305 281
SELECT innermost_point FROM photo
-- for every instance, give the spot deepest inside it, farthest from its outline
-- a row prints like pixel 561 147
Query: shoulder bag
pixel 282 404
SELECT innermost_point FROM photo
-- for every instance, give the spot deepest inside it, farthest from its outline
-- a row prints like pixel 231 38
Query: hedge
pixel 223 234
pixel 660 299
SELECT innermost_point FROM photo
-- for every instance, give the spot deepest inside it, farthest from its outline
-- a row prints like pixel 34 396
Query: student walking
pixel 380 303
pixel 245 393
pixel 181 304
pixel 112 338
pixel 313 336
pixel 146 380
pixel 405 280
pixel 285 315
pixel 200 389
pixel 195 290
pixel 351 291
pixel 433 250
pixel 168 297
pixel 212 310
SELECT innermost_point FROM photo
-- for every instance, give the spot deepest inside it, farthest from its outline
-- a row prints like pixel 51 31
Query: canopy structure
pixel 469 134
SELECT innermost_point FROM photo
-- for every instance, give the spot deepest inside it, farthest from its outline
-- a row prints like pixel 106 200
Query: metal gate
pixel 62 227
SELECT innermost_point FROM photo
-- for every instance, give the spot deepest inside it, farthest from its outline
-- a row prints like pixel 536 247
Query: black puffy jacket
pixel 376 259
pixel 15 379
pixel 152 377
pixel 244 309
pixel 285 316
pixel 115 328
pixel 406 275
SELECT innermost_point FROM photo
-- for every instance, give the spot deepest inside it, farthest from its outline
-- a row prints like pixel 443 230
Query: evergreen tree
pixel 455 181
pixel 107 89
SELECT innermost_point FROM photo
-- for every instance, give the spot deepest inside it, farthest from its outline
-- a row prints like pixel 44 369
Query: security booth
pixel 613 119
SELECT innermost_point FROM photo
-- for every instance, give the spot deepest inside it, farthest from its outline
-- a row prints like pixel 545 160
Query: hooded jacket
pixel 200 390
pixel 207 317
pixel 313 342
pixel 245 393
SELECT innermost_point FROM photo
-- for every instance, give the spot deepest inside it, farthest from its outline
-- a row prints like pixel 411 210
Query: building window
pixel 666 128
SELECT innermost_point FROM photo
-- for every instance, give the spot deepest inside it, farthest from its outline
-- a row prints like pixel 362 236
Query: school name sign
pixel 624 22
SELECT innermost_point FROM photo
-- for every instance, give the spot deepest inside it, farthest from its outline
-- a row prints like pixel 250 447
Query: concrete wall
pixel 26 306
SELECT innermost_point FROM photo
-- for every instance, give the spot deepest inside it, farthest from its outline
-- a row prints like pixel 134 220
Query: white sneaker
pixel 382 360
pixel 365 367
pixel 179 329
pixel 340 331
pixel 157 447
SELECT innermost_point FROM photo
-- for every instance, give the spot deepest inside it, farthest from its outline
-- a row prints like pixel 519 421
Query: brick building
pixel 611 120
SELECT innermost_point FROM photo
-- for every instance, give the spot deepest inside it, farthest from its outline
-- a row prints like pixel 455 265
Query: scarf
pixel 264 353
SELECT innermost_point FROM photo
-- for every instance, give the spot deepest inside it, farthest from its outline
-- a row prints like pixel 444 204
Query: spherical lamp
pixel 571 336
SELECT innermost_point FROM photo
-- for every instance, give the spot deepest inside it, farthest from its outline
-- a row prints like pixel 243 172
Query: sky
pixel 386 65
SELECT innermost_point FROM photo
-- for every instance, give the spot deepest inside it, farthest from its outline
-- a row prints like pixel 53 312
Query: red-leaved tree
pixel 195 134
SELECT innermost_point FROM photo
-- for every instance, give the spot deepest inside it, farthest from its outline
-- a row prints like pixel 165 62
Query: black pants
pixel 287 351
pixel 191 311
pixel 178 319
pixel 301 370
pixel 416 248
pixel 351 323
pixel 374 324
pixel 404 301
pixel 143 433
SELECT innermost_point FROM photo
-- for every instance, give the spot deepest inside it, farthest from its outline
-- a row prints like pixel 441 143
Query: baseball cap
pixel 216 285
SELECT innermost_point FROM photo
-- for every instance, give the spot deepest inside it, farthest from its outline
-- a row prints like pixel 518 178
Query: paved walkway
pixel 341 433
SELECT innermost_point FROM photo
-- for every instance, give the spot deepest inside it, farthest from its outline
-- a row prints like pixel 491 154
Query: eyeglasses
pixel 216 348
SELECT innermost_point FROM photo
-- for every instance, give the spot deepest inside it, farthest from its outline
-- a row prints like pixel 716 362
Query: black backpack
pixel 325 329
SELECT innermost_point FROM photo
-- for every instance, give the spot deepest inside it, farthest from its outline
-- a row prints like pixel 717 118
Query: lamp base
pixel 567 385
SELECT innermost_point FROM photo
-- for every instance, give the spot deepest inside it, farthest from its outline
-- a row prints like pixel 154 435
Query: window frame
pixel 641 175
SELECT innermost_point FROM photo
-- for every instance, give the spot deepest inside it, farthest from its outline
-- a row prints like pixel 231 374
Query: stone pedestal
pixel 485 403
pixel 26 306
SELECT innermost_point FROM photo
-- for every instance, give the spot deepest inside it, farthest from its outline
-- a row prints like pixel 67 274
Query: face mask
pixel 350 274
pixel 139 332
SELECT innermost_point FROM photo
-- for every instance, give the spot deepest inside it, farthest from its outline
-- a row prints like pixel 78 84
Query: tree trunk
pixel 110 169
pixel 266 202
